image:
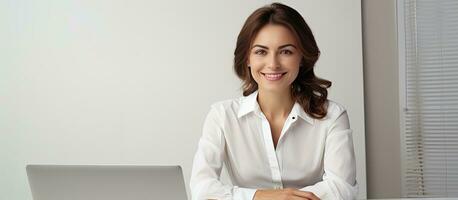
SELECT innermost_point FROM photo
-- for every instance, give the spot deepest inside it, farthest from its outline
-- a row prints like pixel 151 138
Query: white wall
pixel 130 82
pixel 381 72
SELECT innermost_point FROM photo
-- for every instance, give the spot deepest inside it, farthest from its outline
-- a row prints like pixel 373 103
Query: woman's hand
pixel 284 194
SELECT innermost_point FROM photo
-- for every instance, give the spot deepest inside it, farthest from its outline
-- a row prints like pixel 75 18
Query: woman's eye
pixel 288 52
pixel 260 52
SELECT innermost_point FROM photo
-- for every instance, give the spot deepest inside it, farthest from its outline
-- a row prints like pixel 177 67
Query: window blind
pixel 430 98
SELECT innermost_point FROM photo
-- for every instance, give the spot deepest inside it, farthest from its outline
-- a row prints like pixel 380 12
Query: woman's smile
pixel 273 76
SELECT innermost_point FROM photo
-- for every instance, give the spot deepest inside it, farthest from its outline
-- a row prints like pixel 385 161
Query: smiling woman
pixel 285 32
pixel 283 139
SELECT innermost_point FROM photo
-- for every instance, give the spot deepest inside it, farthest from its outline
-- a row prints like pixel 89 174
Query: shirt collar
pixel 250 104
pixel 299 111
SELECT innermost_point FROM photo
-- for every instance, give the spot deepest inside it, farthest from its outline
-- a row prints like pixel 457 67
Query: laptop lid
pixel 106 182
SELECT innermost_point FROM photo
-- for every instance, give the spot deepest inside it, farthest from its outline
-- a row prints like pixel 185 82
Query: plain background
pixel 381 86
pixel 130 82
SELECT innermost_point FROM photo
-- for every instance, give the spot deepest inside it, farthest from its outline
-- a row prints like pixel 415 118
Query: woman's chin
pixel 274 88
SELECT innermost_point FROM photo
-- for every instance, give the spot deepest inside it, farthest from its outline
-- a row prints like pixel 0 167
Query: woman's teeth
pixel 273 77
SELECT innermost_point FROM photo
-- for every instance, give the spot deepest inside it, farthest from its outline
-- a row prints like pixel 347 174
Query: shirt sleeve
pixel 339 178
pixel 208 162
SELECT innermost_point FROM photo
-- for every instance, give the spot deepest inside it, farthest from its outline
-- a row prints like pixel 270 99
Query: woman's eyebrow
pixel 280 47
pixel 287 45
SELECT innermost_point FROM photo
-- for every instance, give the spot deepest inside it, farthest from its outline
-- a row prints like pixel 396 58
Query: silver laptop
pixel 106 182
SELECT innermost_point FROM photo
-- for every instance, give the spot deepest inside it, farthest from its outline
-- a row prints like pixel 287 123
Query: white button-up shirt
pixel 311 155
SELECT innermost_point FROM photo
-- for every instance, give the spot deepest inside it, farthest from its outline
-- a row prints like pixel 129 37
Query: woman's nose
pixel 273 62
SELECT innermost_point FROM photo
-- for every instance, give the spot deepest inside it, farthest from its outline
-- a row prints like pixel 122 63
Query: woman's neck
pixel 275 105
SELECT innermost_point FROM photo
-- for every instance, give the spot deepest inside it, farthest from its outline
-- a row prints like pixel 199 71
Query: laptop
pixel 106 182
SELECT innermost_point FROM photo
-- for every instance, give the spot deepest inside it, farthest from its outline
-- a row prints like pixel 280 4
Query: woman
pixel 283 139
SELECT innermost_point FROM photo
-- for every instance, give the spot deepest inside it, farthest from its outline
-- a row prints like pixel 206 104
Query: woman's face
pixel 274 58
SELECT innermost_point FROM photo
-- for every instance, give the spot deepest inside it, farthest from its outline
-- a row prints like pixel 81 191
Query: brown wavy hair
pixel 307 89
